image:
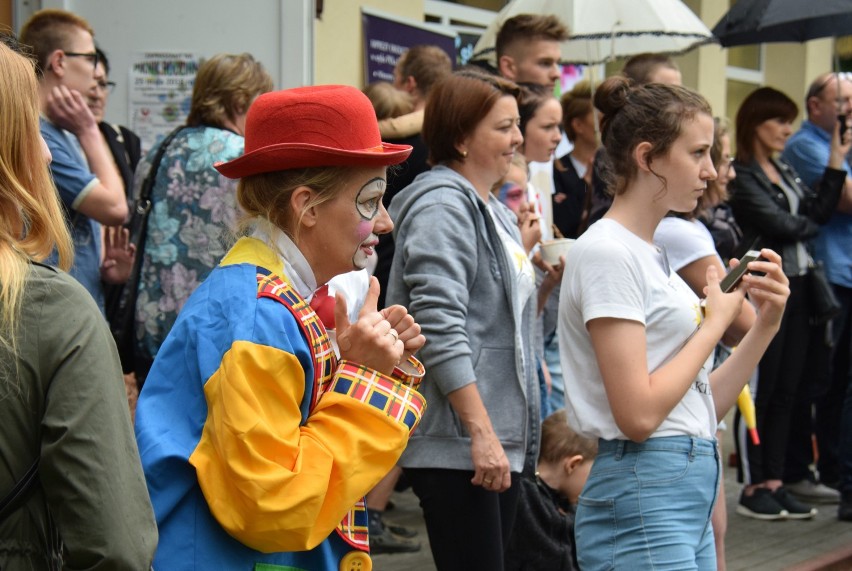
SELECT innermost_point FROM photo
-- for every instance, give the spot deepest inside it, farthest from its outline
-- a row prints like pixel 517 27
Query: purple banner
pixel 385 40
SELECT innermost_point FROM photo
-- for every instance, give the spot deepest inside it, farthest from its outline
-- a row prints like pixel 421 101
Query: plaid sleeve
pixel 410 373
pixel 398 401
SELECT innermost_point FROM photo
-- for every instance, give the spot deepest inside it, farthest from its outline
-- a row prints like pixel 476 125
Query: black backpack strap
pixel 20 492
pixel 144 198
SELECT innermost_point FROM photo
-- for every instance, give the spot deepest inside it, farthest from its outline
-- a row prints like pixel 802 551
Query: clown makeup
pixel 370 197
pixel 348 226
pixel 368 202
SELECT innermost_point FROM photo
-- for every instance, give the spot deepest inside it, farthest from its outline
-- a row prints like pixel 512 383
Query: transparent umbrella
pixel 604 30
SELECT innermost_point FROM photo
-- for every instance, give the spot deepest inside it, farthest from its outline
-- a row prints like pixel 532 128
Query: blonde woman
pixel 62 401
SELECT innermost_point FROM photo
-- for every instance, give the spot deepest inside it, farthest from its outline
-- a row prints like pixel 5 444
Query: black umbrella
pixel 765 21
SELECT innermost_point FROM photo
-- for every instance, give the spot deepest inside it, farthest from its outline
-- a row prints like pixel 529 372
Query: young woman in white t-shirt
pixel 636 347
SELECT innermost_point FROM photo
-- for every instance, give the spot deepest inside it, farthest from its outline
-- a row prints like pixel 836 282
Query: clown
pixel 257 441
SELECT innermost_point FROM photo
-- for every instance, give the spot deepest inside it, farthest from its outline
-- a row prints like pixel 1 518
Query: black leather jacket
pixel 763 212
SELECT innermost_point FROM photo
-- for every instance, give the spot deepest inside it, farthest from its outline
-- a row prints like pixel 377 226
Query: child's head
pixel 565 457
pixel 387 100
pixel 512 188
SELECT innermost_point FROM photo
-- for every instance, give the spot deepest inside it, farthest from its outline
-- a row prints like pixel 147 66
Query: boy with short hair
pixel 528 48
pixel 543 536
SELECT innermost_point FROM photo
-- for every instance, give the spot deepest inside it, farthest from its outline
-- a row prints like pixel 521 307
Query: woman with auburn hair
pixel 777 210
pixel 260 432
pixel 194 211
pixel 460 267
pixel 637 349
pixel 66 443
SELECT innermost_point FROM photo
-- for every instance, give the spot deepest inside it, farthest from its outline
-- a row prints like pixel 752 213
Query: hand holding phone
pixel 732 278
pixel 841 118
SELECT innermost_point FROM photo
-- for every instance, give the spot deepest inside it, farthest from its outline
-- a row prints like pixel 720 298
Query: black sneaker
pixel 844 512
pixel 401 530
pixel 386 542
pixel 794 508
pixel 760 505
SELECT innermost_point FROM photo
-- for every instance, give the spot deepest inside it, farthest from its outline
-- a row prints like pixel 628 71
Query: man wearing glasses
pixel 828 102
pixel 86 177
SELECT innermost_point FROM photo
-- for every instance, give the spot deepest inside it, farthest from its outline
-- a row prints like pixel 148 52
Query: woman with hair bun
pixel 637 346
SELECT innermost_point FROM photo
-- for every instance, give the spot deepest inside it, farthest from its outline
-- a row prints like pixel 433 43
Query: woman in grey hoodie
pixel 460 268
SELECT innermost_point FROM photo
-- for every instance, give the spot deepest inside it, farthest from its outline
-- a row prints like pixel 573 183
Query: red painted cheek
pixel 365 228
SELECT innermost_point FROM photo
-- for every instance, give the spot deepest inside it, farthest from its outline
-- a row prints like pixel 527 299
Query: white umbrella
pixel 603 30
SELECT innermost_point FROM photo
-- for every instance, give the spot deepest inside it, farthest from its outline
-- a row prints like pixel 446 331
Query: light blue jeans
pixel 648 505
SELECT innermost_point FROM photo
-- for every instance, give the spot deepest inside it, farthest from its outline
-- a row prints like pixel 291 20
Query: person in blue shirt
pixel 828 97
pixel 85 174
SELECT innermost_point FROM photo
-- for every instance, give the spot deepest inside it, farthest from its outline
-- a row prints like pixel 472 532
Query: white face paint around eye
pixel 369 198
pixel 368 203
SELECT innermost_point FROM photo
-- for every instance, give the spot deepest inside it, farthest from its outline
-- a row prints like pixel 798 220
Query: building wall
pixel 792 67
pixel 198 25
pixel 124 28
pixel 703 69
pixel 6 14
pixel 339 43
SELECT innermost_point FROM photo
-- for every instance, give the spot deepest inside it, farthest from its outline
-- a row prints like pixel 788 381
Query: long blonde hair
pixel 32 223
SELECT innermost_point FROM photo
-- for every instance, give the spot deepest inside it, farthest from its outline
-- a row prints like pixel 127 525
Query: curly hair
pixel 632 114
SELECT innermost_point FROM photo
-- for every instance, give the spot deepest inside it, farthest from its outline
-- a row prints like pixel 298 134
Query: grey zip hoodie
pixel 451 271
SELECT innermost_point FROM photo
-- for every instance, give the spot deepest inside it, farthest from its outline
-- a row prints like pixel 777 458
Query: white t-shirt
pixel 611 272
pixel 520 264
pixel 540 192
pixel 685 241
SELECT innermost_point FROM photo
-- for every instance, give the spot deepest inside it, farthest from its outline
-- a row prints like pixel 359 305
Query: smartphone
pixel 843 126
pixel 733 277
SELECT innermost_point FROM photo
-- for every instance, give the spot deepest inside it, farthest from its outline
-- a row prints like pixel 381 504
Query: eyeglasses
pixel 107 86
pixel 93 57
pixel 725 165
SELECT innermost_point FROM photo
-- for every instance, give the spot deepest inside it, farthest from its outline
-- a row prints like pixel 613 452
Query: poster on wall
pixel 386 37
pixel 160 93
pixel 465 42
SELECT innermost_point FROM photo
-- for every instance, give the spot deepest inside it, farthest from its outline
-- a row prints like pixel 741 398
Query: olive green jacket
pixel 64 401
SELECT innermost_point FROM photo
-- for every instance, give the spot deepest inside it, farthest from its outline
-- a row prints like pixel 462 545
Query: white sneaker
pixel 814 492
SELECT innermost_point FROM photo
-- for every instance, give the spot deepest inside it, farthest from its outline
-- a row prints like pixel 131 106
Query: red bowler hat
pixel 316 126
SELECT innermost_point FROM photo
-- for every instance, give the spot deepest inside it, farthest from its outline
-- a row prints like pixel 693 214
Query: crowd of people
pixel 334 294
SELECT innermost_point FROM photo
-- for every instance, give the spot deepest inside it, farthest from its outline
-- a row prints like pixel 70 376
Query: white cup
pixel 551 250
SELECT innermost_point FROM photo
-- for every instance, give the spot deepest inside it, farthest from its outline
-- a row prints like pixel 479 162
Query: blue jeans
pixel 647 505
pixel 556 398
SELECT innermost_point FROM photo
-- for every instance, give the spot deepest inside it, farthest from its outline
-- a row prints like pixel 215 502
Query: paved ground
pixel 751 545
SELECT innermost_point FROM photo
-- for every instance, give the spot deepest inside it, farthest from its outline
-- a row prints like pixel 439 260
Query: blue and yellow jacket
pixel 257 445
